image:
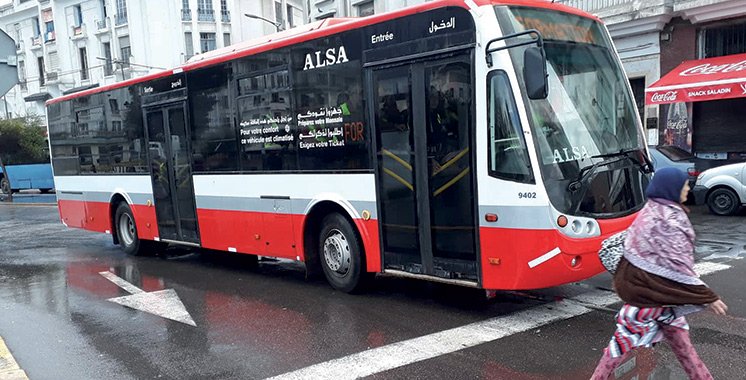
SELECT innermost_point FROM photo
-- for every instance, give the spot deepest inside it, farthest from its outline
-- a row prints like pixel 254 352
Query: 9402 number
pixel 527 195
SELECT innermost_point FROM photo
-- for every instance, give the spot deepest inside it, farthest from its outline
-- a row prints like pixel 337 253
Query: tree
pixel 22 141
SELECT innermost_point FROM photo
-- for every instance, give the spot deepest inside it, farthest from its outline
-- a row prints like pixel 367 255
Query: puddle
pixel 710 250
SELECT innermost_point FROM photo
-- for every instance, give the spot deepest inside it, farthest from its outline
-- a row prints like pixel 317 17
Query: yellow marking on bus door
pixel 400 179
pixel 397 159
pixel 451 182
pixel 8 367
pixel 451 161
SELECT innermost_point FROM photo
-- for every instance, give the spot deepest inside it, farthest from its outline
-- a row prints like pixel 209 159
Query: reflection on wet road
pixel 258 321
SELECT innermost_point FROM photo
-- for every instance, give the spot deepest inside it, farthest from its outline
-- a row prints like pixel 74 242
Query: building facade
pixel 654 37
pixel 67 45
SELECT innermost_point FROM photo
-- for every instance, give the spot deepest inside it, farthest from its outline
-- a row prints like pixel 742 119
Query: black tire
pixel 124 224
pixel 5 186
pixel 723 201
pixel 341 255
pixel 45 191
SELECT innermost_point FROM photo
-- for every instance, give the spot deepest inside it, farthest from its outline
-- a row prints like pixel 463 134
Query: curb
pixel 9 369
pixel 3 203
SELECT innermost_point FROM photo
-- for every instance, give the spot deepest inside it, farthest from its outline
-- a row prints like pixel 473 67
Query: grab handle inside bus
pixel 534 61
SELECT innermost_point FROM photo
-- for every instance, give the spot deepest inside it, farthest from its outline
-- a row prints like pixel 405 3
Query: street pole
pixel 6 178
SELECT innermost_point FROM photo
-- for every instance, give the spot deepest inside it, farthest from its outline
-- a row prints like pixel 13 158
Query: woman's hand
pixel 718 307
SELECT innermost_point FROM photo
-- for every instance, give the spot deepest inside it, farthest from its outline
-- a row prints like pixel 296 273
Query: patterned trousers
pixel 681 346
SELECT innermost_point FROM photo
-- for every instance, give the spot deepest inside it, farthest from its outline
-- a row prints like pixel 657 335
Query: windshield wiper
pixel 646 167
pixel 588 170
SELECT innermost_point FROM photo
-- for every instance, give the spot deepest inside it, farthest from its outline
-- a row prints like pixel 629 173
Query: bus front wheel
pixel 341 255
pixel 126 230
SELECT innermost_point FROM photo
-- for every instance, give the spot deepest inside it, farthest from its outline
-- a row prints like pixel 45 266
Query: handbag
pixel 612 250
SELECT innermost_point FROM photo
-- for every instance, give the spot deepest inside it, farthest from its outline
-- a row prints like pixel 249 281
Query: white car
pixel 722 188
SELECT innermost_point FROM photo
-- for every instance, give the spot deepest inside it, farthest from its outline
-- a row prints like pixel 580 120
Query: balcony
pixel 225 16
pixel 593 6
pixel 78 31
pixel 102 25
pixel 120 19
pixel 206 14
pixel 186 15
pixel 36 42
pixel 628 17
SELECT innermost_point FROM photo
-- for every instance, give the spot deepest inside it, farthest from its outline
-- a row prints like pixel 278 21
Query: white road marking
pixel 163 303
pixel 543 258
pixel 410 351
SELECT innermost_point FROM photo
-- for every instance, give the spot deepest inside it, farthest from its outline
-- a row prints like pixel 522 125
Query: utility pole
pixel 6 178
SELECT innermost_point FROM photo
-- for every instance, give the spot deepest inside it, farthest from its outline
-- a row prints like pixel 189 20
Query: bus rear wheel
pixel 124 222
pixel 341 255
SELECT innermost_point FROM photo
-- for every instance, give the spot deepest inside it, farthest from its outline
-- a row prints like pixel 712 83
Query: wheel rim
pixel 127 229
pixel 723 202
pixel 337 252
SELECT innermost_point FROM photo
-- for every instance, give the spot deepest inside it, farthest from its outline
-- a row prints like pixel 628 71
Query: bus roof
pixel 312 31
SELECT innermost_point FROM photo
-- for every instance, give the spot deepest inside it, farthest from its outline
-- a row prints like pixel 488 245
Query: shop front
pixel 703 107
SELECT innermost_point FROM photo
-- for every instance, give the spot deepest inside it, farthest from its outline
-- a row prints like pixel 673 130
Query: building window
pixel 83 63
pixel 121 17
pixel 226 39
pixel 78 15
pixel 723 40
pixel 205 11
pixel 278 13
pixel 365 9
pixel 186 13
pixel 22 74
pixel 49 35
pixel 188 45
pixel 225 14
pixel 40 64
pixel 104 14
pixel 37 30
pixel 638 91
pixel 207 42
pixel 108 67
pixel 125 50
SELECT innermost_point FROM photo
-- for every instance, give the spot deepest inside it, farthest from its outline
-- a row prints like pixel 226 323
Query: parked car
pixel 722 188
pixel 672 156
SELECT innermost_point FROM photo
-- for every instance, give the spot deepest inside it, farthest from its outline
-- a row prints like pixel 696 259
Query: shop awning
pixel 700 80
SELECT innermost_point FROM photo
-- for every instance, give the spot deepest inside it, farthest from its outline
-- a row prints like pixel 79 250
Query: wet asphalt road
pixel 257 322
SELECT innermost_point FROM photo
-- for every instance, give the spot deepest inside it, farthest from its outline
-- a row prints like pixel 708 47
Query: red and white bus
pixel 490 144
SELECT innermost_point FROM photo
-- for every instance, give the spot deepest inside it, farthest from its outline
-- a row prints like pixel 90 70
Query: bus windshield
pixel 588 114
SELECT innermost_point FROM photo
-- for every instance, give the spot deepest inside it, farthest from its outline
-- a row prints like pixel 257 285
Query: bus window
pixel 508 155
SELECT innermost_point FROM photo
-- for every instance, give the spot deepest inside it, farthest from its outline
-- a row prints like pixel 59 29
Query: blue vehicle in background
pixel 31 176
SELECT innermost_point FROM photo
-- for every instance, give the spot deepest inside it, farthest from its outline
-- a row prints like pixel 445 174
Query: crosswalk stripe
pixel 410 351
pixel 9 369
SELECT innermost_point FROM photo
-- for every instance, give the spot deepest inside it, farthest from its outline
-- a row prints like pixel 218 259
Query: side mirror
pixel 535 72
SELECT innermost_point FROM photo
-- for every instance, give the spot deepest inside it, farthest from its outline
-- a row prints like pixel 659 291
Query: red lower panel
pixel 96 216
pixel 272 234
pixel 72 213
pixel 507 252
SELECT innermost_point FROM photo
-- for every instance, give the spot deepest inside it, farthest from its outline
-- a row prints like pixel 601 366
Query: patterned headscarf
pixel 667 184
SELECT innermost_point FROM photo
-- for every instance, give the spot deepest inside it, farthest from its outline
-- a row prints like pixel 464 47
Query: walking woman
pixel 657 282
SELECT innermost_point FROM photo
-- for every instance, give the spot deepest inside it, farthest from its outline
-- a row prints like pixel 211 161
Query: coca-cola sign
pixel 669 96
pixel 708 68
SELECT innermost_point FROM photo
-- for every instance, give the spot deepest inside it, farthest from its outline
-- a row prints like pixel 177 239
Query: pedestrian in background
pixel 656 280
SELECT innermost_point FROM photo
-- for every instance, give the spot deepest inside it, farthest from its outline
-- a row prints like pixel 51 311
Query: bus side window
pixel 508 154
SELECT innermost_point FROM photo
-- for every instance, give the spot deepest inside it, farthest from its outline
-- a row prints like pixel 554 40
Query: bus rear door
pixel 171 174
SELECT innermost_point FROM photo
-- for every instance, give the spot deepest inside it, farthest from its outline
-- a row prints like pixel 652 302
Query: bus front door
pixel 171 174
pixel 423 115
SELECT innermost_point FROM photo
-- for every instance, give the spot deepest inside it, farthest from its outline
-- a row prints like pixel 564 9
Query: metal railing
pixel 102 24
pixel 78 30
pixel 120 19
pixel 205 14
pixel 225 16
pixel 36 41
pixel 595 5
pixel 186 15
